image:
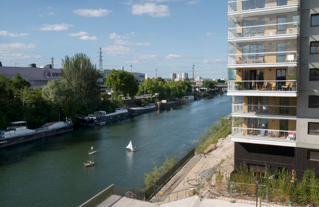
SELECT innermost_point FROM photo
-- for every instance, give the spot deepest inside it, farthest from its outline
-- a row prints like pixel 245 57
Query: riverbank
pixel 198 172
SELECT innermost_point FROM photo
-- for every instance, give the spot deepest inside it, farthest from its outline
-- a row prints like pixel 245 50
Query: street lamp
pixel 131 68
pixel 156 73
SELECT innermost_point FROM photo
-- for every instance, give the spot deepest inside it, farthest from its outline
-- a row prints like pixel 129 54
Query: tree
pixel 209 84
pixel 19 83
pixel 122 81
pixel 58 94
pixel 80 73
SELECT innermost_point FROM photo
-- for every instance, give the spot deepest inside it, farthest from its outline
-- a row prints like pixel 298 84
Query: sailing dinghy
pixel 130 146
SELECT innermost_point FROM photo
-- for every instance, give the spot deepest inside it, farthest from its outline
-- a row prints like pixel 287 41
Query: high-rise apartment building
pixel 273 69
pixel 184 76
pixel 173 76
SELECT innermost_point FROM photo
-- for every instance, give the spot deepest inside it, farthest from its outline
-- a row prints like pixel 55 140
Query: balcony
pixel 263 32
pixel 264 111
pixel 267 59
pixel 264 136
pixel 279 88
pixel 260 7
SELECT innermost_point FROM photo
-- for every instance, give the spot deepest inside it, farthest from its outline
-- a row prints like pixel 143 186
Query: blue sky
pixel 167 35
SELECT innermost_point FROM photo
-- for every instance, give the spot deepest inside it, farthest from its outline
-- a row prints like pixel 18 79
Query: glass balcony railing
pixel 263 30
pixel 246 5
pixel 262 85
pixel 264 109
pixel 276 135
pixel 263 58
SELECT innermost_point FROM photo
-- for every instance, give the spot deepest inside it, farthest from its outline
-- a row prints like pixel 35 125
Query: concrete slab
pixel 119 201
pixel 218 203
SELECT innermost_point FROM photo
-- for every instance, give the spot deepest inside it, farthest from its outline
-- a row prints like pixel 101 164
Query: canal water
pixel 50 171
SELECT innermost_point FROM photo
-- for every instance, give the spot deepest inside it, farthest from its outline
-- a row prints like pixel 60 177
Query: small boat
pixel 91 152
pixel 130 146
pixel 88 164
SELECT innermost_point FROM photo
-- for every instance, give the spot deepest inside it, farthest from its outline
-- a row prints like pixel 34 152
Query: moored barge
pixel 18 132
pixel 101 117
pixel 141 110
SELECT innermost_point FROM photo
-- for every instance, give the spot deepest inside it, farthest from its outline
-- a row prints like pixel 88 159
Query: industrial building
pixel 273 68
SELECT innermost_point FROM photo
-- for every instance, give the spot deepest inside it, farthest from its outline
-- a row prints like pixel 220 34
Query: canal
pixel 50 172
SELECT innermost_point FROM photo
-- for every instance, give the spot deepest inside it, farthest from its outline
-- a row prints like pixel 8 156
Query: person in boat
pixel 91 150
pixel 135 148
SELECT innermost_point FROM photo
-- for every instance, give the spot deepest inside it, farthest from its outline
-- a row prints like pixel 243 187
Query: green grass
pixel 221 133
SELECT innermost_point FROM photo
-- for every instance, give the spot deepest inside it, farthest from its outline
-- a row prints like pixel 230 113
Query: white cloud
pixel 40 15
pixel 217 61
pixel 88 38
pixel 5 48
pixel 77 34
pixel 192 2
pixel 51 13
pixel 171 56
pixel 125 42
pixel 14 56
pixel 117 50
pixel 5 33
pixel 49 7
pixel 135 62
pixel 209 34
pixel 151 9
pixel 92 12
pixel 142 44
pixel 147 57
pixel 6 51
pixel 55 27
pixel 114 36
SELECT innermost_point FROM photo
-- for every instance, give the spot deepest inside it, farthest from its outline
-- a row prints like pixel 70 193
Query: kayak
pixel 88 165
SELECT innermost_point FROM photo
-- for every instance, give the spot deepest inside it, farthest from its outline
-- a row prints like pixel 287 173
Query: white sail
pixel 130 146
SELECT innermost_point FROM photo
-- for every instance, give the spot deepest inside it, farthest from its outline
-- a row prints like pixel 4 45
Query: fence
pixel 99 198
pixel 162 198
pixel 152 191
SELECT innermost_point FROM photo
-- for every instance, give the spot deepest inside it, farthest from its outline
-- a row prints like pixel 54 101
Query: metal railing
pixel 264 133
pixel 264 109
pixel 246 5
pixel 263 30
pixel 263 58
pixel 262 85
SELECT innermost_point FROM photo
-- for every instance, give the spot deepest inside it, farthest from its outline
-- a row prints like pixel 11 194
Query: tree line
pixel 78 92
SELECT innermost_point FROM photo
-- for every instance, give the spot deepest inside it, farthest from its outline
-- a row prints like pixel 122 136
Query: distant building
pixel 173 76
pixel 37 77
pixel 139 76
pixel 184 76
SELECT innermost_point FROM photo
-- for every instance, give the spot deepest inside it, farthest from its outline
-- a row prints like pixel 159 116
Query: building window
pixel 315 20
pixel 314 47
pixel 313 102
pixel 314 156
pixel 313 128
pixel 314 75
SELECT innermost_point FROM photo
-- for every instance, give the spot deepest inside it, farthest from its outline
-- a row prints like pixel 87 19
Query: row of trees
pixel 169 90
pixel 78 92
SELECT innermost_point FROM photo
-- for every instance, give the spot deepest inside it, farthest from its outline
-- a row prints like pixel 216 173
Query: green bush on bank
pixel 218 130
pixel 281 189
pixel 153 176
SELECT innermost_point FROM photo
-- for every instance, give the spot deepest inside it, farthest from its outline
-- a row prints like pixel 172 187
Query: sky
pixel 168 35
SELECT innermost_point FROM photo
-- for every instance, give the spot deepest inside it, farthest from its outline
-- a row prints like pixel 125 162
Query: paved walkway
pixel 175 181
pixel 119 201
